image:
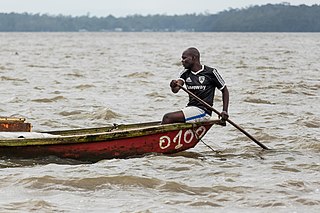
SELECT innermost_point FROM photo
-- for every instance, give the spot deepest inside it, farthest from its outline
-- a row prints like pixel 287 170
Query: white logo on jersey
pixel 188 79
pixel 201 79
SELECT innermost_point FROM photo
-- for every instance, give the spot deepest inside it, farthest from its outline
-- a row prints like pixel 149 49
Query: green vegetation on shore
pixel 266 18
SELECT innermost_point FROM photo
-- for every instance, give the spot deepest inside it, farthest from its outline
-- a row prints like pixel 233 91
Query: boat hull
pixel 118 143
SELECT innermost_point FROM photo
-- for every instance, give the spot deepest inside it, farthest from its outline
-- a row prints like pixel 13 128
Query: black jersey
pixel 202 83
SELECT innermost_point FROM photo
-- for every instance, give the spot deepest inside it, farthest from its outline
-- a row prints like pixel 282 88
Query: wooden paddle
pixel 218 113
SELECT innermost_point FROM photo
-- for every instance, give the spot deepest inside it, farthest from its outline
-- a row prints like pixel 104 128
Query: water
pixel 72 80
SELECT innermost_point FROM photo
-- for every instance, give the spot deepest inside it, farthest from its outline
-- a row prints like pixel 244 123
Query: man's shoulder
pixel 210 69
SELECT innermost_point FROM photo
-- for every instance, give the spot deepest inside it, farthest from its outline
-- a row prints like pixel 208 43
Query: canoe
pixel 114 141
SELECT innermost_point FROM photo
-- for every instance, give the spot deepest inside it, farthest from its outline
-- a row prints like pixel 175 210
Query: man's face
pixel 187 60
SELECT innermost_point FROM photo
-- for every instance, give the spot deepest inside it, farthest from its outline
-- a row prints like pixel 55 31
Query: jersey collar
pixel 195 73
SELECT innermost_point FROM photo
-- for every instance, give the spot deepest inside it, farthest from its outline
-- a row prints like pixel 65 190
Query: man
pixel 201 80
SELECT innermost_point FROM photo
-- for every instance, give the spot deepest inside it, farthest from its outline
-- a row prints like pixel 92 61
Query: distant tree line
pixel 267 18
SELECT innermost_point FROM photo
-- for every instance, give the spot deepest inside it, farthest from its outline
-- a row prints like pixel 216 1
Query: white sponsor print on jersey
pixel 188 79
pixel 196 87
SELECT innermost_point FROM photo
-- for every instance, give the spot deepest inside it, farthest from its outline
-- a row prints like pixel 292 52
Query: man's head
pixel 191 58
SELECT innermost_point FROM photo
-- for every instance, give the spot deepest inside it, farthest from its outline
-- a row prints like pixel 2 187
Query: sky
pixel 122 8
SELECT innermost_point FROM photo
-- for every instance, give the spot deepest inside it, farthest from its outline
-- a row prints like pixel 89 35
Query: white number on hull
pixel 181 138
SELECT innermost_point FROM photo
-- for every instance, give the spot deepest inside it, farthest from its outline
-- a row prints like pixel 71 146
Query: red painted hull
pixel 125 143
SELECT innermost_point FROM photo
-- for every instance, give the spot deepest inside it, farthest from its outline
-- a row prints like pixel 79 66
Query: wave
pixel 90 183
pixel 38 66
pixel 106 114
pixel 76 74
pixel 124 182
pixel 156 95
pixel 48 100
pixel 257 101
pixel 139 75
pixel 312 124
pixel 30 205
pixel 74 112
pixel 6 78
pixel 84 86
pixel 309 122
pixel 268 68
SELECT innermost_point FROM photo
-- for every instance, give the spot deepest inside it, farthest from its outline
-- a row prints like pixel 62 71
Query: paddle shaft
pixel 218 113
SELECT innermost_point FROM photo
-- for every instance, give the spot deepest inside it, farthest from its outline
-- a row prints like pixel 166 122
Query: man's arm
pixel 225 101
pixel 174 87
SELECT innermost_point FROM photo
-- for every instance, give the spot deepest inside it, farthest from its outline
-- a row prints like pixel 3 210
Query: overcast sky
pixel 130 7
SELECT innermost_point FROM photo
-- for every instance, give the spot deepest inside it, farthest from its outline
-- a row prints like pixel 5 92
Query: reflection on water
pixel 73 80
